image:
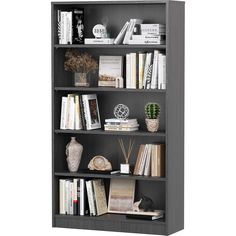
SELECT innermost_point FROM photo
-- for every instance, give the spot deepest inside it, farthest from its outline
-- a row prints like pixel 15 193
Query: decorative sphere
pixel 121 111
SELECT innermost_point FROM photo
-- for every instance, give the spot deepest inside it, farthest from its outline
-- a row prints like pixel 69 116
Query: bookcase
pixel 167 192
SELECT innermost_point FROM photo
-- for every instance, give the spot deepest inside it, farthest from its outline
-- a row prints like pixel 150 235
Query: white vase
pixel 73 152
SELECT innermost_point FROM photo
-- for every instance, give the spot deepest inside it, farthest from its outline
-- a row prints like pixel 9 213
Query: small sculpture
pixel 145 204
pixel 121 111
pixel 99 163
pixel 73 152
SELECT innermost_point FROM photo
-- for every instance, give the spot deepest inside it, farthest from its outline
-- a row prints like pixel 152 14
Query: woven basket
pixel 152 124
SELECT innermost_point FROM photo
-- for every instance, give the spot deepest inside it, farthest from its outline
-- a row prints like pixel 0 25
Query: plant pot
pixel 124 169
pixel 152 124
pixel 81 79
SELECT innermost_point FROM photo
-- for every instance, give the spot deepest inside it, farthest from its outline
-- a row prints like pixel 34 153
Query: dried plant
pixel 79 62
pixel 130 147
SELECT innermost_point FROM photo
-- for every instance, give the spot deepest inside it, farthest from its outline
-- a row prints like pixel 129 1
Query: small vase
pixel 124 169
pixel 152 124
pixel 81 79
pixel 73 152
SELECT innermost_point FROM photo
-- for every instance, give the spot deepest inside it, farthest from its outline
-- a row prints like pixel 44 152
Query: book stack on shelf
pixel 70 26
pixel 146 70
pixel 150 160
pixel 80 112
pixel 135 32
pixel 114 124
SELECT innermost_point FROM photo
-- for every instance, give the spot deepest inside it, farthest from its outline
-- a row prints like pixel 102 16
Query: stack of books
pixel 70 26
pixel 80 112
pixel 150 160
pixel 114 124
pixel 146 70
pixel 135 32
pixel 72 197
pixel 145 215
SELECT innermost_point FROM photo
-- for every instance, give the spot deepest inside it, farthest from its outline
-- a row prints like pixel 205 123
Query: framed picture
pixel 121 196
pixel 91 110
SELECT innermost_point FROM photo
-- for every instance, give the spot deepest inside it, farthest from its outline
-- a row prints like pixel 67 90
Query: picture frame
pixel 121 196
pixel 91 110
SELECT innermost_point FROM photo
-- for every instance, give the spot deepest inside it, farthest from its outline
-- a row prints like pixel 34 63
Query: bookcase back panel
pixel 114 15
pixel 93 145
pixel 108 100
pixel 65 78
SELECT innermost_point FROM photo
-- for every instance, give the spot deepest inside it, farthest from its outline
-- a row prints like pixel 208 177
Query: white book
pixel 59 25
pixel 141 61
pixel 120 36
pixel 154 81
pixel 162 72
pixel 75 194
pixel 62 196
pixel 152 29
pixel 67 199
pixel 133 70
pixel 78 122
pixel 146 41
pixel 128 71
pixel 130 29
pixel 63 112
pixel 145 36
pixel 82 197
pixel 71 198
pixel 146 67
pixel 147 169
pixel 71 115
pixel 90 197
pixel 62 41
pixel 115 120
pixel 143 160
pixel 99 41
pixel 68 27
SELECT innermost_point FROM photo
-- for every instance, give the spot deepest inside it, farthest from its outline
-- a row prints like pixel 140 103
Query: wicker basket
pixel 152 124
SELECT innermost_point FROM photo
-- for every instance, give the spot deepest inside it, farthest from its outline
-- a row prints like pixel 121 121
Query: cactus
pixel 152 110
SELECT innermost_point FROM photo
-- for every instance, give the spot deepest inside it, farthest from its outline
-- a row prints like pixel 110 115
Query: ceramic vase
pixel 73 152
pixel 152 124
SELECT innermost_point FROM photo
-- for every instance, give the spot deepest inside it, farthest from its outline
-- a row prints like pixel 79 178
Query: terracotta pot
pixel 152 124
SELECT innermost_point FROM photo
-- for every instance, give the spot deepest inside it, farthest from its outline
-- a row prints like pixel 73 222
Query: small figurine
pixel 145 204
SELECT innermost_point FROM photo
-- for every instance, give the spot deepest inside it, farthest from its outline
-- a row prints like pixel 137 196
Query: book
pixel 152 29
pixel 162 71
pixel 130 29
pixel 158 160
pixel 148 62
pixel 110 68
pixel 128 71
pixel 146 36
pixel 133 74
pixel 63 112
pixel 71 112
pixel 138 160
pixel 91 200
pixel 148 215
pixel 116 128
pixel 99 41
pixel 147 167
pixel 76 196
pixel 121 121
pixel 141 62
pixel 100 196
pixel 78 122
pixel 78 26
pixel 146 41
pixel 62 200
pixel 121 34
pixel 154 81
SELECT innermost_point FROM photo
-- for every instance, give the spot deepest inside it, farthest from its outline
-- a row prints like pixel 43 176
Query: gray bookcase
pixel 168 192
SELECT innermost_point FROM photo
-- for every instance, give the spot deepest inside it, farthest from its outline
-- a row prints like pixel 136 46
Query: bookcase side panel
pixel 175 116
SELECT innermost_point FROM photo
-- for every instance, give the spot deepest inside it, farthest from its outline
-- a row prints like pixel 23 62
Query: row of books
pixel 114 124
pixel 80 197
pixel 146 70
pixel 150 160
pixel 80 112
pixel 70 25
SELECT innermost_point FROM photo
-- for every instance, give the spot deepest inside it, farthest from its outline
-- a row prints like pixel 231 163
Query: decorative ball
pixel 121 111
pixel 99 31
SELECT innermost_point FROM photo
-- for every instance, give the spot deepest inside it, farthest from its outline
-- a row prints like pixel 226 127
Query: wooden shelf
pixel 109 46
pixel 108 176
pixel 111 217
pixel 102 132
pixel 100 89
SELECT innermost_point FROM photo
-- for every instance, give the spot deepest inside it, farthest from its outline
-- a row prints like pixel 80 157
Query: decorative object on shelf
pixel 144 204
pixel 78 26
pixel 99 31
pixel 119 82
pixel 121 195
pixel 121 111
pixel 152 112
pixel 124 167
pixel 136 206
pixel 99 163
pixel 82 64
pixel 73 152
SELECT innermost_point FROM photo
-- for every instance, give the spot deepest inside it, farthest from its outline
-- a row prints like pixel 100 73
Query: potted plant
pixel 81 64
pixel 152 112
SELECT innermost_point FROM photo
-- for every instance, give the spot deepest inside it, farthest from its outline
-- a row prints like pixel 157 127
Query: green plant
pixel 152 110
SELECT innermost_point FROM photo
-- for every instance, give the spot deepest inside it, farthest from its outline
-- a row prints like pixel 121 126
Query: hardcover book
pixel 78 26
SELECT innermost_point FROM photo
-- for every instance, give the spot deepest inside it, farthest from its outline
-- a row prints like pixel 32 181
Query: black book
pixel 78 26
pixel 143 217
pixel 82 112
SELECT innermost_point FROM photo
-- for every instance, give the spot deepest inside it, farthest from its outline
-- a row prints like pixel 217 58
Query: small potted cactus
pixel 152 111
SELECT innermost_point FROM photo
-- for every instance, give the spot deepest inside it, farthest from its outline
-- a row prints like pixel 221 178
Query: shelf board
pixel 110 46
pixel 101 89
pixel 108 176
pixel 110 217
pixel 102 132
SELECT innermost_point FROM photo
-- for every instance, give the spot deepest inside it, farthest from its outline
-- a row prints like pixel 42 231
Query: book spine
pixel 67 197
pixel 75 196
pixel 71 115
pixel 62 196
pixel 146 67
pixel 99 41
pixel 133 70
pixel 63 113
pixel 62 27
pixel 141 61
pixel 121 34
pixel 59 26
pixel 154 82
pixel 127 35
pixel 128 72
pixel 71 197
pixel 78 123
pixel 164 72
pixel 154 161
pixel 86 112
pixel 82 196
pixel 82 113
pixel 147 169
pixel 90 197
pixel 143 160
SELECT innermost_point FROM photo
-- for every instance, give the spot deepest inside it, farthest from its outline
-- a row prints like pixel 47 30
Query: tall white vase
pixel 73 152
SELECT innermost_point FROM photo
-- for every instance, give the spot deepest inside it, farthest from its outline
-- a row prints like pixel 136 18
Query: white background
pixel 210 136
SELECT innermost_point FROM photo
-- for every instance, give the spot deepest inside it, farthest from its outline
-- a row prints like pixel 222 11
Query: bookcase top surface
pixel 115 2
